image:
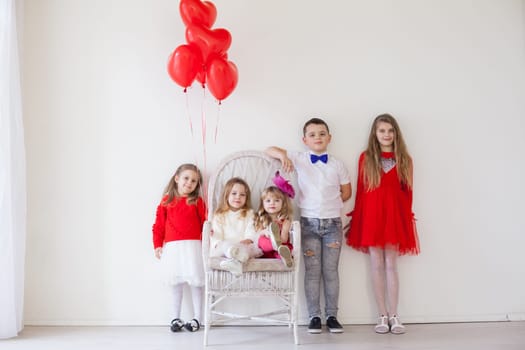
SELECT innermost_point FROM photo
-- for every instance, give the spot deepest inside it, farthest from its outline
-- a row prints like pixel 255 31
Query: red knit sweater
pixel 178 221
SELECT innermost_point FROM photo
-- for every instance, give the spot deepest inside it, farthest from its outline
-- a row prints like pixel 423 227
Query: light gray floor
pixel 449 336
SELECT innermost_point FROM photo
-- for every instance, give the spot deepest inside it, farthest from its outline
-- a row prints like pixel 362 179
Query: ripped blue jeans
pixel 321 245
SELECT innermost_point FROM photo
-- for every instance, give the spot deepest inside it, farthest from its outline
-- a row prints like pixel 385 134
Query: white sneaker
pixel 275 235
pixel 286 255
pixel 232 265
pixel 396 327
pixel 232 252
pixel 382 325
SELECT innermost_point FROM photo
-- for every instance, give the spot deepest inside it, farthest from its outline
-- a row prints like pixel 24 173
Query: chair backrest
pixel 254 167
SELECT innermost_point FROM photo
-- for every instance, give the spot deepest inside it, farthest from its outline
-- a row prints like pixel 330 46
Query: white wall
pixel 105 129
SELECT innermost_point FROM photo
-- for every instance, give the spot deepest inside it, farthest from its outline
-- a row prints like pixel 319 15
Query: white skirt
pixel 181 262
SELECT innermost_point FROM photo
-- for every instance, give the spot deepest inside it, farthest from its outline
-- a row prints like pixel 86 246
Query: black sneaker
pixel 315 325
pixel 333 325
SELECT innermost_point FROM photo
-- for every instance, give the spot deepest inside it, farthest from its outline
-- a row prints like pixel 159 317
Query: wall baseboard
pixel 414 319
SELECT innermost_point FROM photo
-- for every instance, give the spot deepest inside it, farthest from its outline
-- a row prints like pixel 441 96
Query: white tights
pixel 385 279
pixel 196 297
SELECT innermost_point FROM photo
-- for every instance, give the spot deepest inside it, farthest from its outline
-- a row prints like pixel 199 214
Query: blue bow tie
pixel 323 158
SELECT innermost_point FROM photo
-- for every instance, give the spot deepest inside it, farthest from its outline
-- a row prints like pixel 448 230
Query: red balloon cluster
pixel 204 58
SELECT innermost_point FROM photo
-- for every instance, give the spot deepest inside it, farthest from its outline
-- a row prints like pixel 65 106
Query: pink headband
pixel 284 185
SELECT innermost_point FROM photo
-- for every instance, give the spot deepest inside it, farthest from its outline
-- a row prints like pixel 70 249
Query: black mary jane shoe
pixel 176 325
pixel 192 326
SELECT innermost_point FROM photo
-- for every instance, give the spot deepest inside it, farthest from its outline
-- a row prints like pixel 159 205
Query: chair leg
pixel 293 310
pixel 207 317
pixel 206 328
pixel 295 335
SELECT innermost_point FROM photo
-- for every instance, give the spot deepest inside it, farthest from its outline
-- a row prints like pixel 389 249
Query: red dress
pixel 383 217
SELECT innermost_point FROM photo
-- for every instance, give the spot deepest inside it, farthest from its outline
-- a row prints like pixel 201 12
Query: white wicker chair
pixel 260 277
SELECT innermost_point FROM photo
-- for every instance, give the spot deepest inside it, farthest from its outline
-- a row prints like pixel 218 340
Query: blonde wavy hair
pixel 224 206
pixel 372 162
pixel 262 219
pixel 171 192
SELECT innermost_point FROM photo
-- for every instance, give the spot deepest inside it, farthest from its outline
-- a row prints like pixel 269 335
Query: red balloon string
pixel 204 156
pixel 191 128
pixel 217 122
pixel 189 116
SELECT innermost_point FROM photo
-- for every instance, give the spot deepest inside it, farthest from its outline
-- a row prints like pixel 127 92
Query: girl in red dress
pixel 382 220
pixel 177 235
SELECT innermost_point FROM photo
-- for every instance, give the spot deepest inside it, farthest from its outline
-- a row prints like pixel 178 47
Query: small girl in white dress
pixel 233 232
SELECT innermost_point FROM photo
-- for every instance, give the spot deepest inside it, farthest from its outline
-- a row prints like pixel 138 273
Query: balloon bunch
pixel 204 58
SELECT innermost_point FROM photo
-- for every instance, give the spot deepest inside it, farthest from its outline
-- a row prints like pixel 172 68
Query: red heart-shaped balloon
pixel 184 64
pixel 222 78
pixel 198 12
pixel 216 41
pixel 201 75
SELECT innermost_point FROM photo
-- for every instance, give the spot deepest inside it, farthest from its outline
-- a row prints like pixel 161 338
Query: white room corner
pixel 12 178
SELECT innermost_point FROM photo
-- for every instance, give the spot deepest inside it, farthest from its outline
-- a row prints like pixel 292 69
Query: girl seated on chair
pixel 273 221
pixel 233 233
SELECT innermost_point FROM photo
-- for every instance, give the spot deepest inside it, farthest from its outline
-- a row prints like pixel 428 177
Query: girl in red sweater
pixel 382 220
pixel 177 235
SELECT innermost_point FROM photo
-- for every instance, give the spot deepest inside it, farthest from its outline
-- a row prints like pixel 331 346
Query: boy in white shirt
pixel 324 184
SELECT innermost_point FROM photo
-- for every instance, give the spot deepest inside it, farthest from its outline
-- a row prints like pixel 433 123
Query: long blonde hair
pixel 262 219
pixel 372 162
pixel 224 206
pixel 171 190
